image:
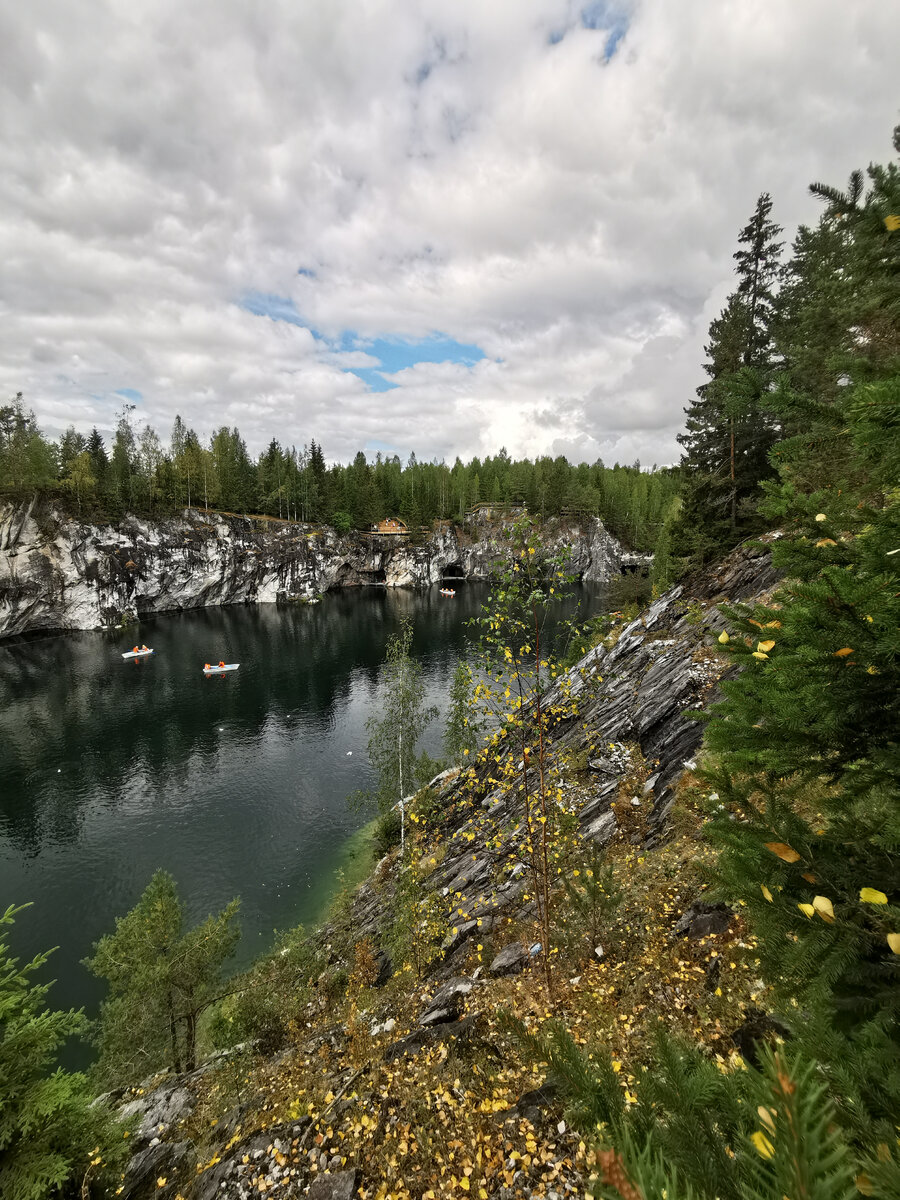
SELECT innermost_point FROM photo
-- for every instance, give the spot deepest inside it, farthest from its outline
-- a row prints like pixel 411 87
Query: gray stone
pixel 447 1001
pixel 157 1111
pixel 510 961
pixel 702 920
pixel 340 1185
pixel 161 1161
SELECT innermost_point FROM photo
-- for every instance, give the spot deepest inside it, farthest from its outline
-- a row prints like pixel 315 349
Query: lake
pixel 236 784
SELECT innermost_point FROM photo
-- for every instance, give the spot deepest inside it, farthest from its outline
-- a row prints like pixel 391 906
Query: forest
pixel 139 473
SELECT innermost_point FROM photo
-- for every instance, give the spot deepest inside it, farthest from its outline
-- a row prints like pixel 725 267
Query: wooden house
pixel 390 527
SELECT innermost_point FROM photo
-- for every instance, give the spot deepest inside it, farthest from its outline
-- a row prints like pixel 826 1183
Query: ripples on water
pixel 236 784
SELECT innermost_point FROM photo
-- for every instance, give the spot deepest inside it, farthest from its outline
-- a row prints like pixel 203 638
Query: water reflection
pixel 235 783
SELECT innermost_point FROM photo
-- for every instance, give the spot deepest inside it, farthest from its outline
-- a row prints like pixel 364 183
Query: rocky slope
pixel 59 573
pixel 366 1106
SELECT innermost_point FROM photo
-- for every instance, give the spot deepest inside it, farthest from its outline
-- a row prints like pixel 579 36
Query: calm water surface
pixel 236 784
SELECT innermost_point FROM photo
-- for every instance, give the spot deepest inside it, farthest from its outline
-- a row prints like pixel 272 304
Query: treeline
pixel 140 473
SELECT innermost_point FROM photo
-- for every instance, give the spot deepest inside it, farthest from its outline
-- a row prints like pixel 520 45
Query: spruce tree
pixel 729 431
pixel 49 1130
pixel 161 977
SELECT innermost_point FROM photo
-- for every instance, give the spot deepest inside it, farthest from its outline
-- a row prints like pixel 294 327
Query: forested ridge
pixel 139 473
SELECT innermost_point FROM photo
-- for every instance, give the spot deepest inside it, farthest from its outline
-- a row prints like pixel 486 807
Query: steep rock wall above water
pixel 58 573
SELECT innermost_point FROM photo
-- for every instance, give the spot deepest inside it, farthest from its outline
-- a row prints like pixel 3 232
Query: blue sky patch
pixel 131 394
pixel 397 354
pixel 307 271
pixel 267 304
pixel 603 16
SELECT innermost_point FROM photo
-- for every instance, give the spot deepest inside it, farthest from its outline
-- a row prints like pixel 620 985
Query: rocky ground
pixel 406 1080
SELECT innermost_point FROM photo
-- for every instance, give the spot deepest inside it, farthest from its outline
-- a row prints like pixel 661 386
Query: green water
pixel 235 784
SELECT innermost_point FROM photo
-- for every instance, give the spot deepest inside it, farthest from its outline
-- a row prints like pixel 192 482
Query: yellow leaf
pixel 821 517
pixel 762 1144
pixel 765 645
pixel 864 1185
pixel 766 892
pixel 161 1182
pixel 464 1183
pixel 892 222
pixel 844 652
pixel 759 654
pixel 826 542
pixel 807 910
pixel 893 940
pixel 784 852
pixel 872 896
pixel 872 671
pixel 723 638
pixel 767 1116
pixel 772 625
pixel 809 877
pixel 824 908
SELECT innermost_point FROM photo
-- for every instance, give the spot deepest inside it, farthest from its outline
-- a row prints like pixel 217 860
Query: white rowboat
pixel 136 653
pixel 220 668
pixel 447 592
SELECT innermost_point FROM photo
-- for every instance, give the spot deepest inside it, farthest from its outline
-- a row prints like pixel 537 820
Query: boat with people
pixel 138 652
pixel 219 668
pixel 448 592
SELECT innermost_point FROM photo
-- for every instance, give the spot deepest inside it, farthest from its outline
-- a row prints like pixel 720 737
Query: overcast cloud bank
pixel 276 215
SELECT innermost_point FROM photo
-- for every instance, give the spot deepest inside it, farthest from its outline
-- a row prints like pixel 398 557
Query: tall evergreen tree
pixel 729 429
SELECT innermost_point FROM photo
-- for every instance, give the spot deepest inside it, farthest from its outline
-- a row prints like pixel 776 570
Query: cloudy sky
pixel 439 225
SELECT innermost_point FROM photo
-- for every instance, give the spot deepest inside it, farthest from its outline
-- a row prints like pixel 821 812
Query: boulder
pixel 702 920
pixel 510 961
pixel 447 1001
pixel 158 1110
pixel 145 1168
pixel 341 1185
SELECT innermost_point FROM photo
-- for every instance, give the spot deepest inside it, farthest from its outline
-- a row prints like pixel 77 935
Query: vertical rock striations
pixel 57 572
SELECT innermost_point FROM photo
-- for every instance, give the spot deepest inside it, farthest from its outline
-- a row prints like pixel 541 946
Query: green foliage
pixel 140 473
pixel 161 978
pixel 267 999
pixel 50 1137
pixel 464 728
pixel 394 734
pixel 729 428
pixel 419 921
pixel 592 897
pixel 693 1131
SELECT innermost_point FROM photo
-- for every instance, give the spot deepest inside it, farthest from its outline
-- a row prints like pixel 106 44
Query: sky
pixel 444 226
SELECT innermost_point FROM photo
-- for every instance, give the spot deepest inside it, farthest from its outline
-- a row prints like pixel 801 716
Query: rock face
pixel 58 573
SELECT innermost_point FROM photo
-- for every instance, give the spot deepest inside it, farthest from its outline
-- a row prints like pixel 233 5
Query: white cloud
pixel 439 167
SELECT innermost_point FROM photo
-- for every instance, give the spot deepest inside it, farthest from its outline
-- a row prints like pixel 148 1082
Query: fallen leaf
pixel 784 852
pixel 844 652
pixel 872 896
pixel 824 908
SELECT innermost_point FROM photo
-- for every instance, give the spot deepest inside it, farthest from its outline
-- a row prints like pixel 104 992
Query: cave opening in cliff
pixel 374 578
pixel 453 573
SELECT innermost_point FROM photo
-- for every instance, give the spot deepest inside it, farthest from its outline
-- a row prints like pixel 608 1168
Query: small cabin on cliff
pixel 390 527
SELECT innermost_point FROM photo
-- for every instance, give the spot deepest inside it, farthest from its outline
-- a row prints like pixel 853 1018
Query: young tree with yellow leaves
pixel 519 694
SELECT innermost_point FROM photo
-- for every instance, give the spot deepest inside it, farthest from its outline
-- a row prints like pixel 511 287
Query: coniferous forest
pixel 795 433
